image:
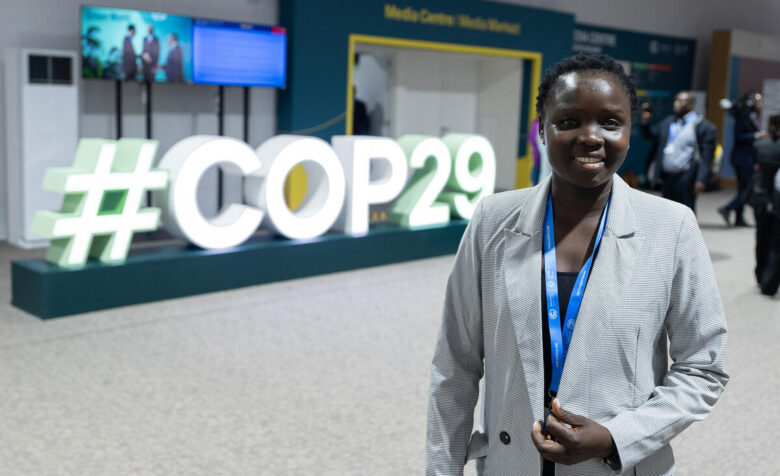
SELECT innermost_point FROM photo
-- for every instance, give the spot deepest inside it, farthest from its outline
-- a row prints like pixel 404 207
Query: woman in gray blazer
pixel 631 270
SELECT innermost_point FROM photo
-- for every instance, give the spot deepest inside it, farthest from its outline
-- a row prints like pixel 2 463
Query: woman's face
pixel 587 127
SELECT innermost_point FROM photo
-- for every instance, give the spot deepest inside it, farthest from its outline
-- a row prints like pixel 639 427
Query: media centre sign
pixel 428 178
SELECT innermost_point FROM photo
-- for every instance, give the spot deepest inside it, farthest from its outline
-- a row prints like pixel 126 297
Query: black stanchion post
pixel 118 92
pixel 246 114
pixel 221 132
pixel 148 86
pixel 147 100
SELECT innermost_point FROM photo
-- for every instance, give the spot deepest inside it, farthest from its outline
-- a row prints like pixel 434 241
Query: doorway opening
pixel 398 86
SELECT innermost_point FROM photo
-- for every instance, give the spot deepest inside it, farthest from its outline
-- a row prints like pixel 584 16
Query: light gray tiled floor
pixel 326 375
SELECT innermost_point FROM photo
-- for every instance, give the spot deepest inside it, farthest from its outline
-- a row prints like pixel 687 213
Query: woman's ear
pixel 541 133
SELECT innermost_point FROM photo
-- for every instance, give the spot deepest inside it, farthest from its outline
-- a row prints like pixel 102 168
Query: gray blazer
pixel 652 280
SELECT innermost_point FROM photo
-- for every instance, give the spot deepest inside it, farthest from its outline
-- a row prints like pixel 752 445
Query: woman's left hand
pixel 585 440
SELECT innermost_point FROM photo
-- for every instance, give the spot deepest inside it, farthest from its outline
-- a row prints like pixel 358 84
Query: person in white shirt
pixel 686 145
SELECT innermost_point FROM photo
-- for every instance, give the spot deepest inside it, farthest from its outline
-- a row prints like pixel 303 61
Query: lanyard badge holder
pixel 559 341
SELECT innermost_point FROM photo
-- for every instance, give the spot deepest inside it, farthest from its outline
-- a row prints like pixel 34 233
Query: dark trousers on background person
pixel 764 219
pixel 767 250
pixel 678 187
pixel 744 179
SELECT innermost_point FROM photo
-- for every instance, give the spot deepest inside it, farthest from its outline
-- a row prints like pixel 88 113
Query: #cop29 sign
pixel 429 178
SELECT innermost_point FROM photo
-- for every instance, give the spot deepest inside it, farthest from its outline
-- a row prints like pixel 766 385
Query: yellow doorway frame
pixel 522 178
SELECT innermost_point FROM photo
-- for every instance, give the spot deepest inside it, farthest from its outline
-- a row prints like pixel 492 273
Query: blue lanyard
pixel 559 344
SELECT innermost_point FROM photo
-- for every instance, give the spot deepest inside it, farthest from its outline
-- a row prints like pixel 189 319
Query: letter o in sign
pixel 326 186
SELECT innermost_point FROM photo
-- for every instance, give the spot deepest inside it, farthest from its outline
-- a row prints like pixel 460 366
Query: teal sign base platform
pixel 175 271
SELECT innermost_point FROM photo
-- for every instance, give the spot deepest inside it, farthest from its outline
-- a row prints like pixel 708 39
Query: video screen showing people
pixel 134 45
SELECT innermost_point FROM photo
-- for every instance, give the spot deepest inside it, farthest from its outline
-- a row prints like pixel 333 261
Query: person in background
pixel 743 155
pixel 129 66
pixel 174 65
pixel 765 199
pixel 772 278
pixel 150 55
pixel 361 122
pixel 685 146
pixel 542 168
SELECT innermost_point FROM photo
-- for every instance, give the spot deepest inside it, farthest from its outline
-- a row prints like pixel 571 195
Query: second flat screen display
pixel 238 54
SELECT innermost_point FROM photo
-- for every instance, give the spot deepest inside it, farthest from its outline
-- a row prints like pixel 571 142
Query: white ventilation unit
pixel 42 131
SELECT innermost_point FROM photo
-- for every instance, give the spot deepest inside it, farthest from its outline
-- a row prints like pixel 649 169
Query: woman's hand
pixel 585 440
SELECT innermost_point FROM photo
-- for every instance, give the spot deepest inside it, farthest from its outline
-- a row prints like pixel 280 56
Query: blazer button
pixel 504 437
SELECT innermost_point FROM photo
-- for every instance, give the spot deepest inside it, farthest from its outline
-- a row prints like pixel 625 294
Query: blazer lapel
pixel 610 275
pixel 523 276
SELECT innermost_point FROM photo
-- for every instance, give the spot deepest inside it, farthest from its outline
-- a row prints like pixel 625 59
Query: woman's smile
pixel 590 163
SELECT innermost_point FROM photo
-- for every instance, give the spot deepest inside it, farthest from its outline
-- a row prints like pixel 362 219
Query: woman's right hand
pixel 580 439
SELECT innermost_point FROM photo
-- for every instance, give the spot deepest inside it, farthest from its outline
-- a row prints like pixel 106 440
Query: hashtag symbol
pixel 102 205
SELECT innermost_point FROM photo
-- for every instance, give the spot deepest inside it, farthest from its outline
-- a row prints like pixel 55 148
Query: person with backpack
pixel 685 148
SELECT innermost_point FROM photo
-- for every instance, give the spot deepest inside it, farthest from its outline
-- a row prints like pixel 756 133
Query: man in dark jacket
pixel 174 66
pixel 150 55
pixel 685 147
pixel 129 67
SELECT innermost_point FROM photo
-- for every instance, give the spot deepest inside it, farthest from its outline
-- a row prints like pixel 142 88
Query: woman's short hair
pixel 584 62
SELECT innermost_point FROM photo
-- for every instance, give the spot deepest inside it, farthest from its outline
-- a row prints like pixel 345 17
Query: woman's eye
pixel 566 124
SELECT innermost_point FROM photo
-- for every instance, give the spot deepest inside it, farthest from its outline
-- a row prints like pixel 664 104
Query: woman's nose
pixel 591 136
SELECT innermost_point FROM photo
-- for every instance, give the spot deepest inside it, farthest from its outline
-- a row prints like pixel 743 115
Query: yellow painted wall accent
pixel 295 187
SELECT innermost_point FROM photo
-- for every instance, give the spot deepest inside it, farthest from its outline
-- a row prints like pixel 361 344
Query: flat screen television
pixel 135 45
pixel 239 54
